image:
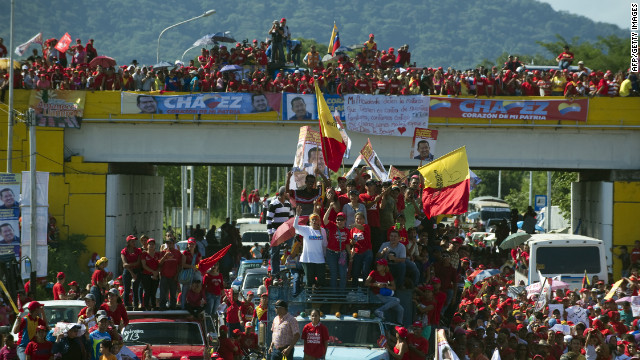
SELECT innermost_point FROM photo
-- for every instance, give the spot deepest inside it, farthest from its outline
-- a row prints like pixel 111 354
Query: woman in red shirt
pixel 99 280
pixel 337 248
pixel 382 284
pixel 130 256
pixel 213 284
pixel 401 349
pixel 150 261
pixel 115 310
pixel 361 254
pixel 316 338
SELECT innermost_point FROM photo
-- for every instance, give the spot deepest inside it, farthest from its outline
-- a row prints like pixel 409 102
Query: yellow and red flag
pixel 333 147
pixel 446 184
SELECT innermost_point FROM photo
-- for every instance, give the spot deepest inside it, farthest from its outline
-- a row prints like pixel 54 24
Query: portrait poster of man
pixel 299 107
pixel 308 157
pixel 424 145
pixel 373 161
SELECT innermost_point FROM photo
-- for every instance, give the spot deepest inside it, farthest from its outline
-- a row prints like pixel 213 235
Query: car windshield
pixel 248 265
pixel 255 237
pixel 568 259
pixel 162 333
pixel 252 281
pixel 55 314
pixel 499 213
pixel 350 333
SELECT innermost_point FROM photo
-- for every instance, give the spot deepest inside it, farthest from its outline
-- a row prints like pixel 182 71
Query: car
pixel 172 334
pixel 350 337
pixel 182 245
pixel 251 237
pixel 252 280
pixel 244 266
pixel 56 311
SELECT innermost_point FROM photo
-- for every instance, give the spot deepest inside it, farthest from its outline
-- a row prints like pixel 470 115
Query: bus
pixel 565 255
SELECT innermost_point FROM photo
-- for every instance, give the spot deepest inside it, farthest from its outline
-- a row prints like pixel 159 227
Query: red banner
pixel 63 44
pixel 543 109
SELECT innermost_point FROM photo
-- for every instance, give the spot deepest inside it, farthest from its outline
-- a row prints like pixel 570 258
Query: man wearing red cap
pixel 58 287
pixel 39 348
pixel 418 345
pixel 26 327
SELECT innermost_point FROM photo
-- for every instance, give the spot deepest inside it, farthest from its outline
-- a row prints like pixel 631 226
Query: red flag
pixel 229 294
pixel 333 147
pixel 63 44
pixel 206 264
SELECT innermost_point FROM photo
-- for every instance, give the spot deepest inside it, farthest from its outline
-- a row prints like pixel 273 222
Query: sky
pixel 613 11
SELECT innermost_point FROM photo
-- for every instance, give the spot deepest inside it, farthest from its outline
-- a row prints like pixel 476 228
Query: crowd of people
pixel 371 70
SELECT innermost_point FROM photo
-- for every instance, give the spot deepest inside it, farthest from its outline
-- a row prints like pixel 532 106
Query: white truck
pixel 565 255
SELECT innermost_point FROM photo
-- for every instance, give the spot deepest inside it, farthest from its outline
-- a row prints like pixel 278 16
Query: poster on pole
pixel 10 214
pixel 395 173
pixel 371 158
pixel 386 115
pixel 424 145
pixel 308 157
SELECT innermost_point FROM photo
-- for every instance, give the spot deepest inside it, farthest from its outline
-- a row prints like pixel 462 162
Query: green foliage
pixel 610 52
pixel 64 258
pixel 439 33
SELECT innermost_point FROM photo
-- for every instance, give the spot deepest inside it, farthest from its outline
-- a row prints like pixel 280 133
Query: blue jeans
pixel 564 64
pixel 277 354
pixel 213 301
pixel 297 280
pixel 97 293
pixel 168 285
pixel 398 270
pixel 20 351
pixel 275 259
pixel 129 283
pixel 389 302
pixel 244 206
pixel 336 269
pixel 361 266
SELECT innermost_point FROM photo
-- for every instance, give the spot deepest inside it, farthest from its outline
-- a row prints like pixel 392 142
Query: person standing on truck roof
pixel 284 331
pixel 170 262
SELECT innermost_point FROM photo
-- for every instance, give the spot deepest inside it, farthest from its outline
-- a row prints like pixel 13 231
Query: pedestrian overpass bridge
pixel 102 183
pixel 609 139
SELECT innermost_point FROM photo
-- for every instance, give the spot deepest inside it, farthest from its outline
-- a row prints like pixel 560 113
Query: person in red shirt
pixel 213 285
pixel 115 309
pixel 260 312
pixel 361 254
pixel 130 256
pixel 39 348
pixel 565 58
pixel 481 85
pixel 100 279
pixel 233 312
pixel 371 201
pixel 337 246
pixel 194 298
pixel 381 283
pixel 247 308
pixel 190 259
pixel 227 348
pixel 170 264
pixel 58 289
pixel 418 345
pixel 315 337
pixel 249 340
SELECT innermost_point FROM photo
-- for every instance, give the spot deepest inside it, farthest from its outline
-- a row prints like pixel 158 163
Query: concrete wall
pixel 626 209
pixel 133 206
pixel 592 212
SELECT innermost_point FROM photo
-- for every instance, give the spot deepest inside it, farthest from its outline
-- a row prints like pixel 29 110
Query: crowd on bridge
pixel 372 70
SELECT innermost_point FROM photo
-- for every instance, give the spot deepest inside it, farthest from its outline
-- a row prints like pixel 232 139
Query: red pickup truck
pixel 171 334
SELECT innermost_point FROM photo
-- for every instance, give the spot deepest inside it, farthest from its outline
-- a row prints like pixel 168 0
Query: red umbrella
pixel 286 231
pixel 103 61
pixel 206 264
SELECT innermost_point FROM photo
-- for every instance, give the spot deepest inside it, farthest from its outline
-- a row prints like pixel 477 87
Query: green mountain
pixel 439 33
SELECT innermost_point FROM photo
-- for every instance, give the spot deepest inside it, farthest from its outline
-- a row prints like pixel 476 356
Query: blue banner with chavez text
pixel 200 103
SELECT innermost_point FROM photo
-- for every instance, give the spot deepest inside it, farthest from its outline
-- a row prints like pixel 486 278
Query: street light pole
pixel 205 14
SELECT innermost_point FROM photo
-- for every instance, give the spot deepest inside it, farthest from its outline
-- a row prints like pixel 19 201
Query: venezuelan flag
pixel 334 42
pixel 333 147
pixel 446 183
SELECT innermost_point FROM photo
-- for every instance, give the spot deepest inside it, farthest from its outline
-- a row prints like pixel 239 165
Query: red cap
pixel 248 325
pixel 191 240
pixel 33 305
pixel 283 20
pixel 224 328
pixel 417 324
pixel 520 327
pixel 237 332
pixel 60 275
pixel 131 237
pixel 382 262
pixel 340 214
pixel 402 331
pixel 73 283
pixel 151 240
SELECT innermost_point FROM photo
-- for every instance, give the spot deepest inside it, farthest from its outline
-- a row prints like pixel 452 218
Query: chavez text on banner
pixel 446 184
pixel 201 103
pixel 538 109
pixel 58 108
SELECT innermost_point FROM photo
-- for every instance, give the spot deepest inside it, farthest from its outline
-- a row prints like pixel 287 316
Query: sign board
pixel 541 202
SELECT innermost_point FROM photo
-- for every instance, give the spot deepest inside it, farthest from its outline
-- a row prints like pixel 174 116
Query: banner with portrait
pixel 308 157
pixel 10 214
pixel 423 146
pixel 386 115
pixel 395 173
pixel 373 161
pixel 539 109
pixel 299 107
pixel 199 103
pixel 58 108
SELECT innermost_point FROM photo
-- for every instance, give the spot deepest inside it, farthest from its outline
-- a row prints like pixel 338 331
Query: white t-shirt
pixel 314 243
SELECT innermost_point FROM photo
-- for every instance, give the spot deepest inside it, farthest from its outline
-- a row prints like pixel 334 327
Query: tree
pixel 611 52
